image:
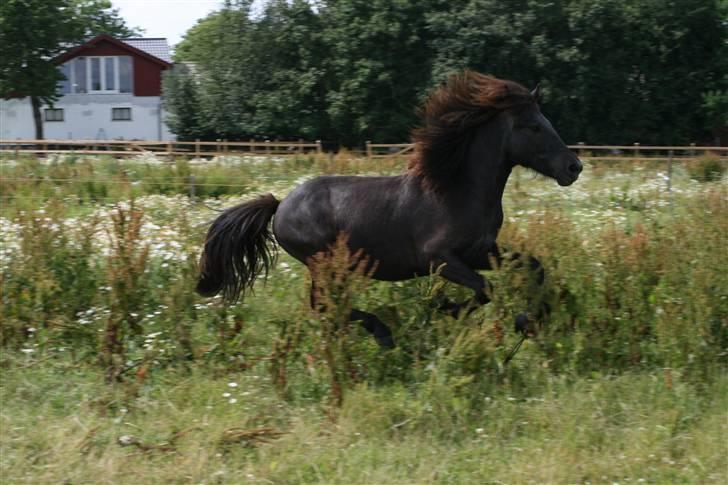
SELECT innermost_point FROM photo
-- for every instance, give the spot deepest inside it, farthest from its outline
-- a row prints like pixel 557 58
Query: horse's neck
pixel 486 168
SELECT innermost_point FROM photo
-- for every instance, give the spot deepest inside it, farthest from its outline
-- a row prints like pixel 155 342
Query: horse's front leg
pixel 456 271
pixel 523 323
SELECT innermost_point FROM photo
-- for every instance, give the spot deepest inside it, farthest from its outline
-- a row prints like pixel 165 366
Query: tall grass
pixel 636 338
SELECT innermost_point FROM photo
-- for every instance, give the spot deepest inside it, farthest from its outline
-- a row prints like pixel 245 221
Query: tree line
pixel 346 71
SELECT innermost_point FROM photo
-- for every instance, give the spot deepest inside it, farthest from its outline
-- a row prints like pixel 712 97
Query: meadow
pixel 115 371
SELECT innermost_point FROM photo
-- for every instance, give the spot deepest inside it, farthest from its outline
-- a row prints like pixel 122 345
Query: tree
pixel 182 102
pixel 33 32
pixel 259 77
pixel 378 66
pixel 199 43
pixel 290 99
pixel 613 71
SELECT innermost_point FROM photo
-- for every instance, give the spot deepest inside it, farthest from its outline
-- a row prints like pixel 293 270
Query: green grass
pixel 62 424
pixel 626 382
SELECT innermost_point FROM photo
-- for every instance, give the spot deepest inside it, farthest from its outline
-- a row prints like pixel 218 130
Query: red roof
pixel 76 51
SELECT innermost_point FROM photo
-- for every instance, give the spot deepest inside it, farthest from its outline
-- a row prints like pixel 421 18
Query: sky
pixel 165 18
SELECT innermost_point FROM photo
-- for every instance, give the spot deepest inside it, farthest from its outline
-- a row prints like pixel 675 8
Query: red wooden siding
pixel 147 78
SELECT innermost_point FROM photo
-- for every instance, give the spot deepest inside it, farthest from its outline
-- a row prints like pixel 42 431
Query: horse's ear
pixel 536 93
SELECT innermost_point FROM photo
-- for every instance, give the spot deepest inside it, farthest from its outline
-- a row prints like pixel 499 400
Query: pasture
pixel 115 371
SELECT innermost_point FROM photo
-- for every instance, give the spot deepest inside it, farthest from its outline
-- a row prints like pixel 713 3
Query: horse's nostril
pixel 575 168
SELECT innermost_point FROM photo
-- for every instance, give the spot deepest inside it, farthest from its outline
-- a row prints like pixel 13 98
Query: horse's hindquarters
pixel 303 224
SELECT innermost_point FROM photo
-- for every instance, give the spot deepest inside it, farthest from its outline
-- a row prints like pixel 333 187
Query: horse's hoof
pixel 523 326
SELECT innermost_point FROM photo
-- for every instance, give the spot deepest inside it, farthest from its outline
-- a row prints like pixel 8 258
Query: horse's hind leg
pixel 374 326
pixel 369 321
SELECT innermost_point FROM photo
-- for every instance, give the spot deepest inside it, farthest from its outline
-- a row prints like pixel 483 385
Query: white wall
pixel 88 117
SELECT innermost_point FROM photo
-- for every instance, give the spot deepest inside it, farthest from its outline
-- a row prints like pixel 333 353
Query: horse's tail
pixel 239 247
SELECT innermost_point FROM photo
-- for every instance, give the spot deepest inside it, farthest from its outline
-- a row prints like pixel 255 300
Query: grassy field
pixel 114 371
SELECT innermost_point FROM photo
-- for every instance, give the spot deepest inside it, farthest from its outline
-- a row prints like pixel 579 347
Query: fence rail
pixel 197 149
pixel 635 152
pixel 162 148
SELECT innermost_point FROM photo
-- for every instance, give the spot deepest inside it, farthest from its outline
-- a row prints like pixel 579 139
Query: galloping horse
pixel 444 211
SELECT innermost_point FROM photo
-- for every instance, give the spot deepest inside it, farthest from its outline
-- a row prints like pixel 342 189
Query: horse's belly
pixel 388 261
pixel 311 218
pixel 388 265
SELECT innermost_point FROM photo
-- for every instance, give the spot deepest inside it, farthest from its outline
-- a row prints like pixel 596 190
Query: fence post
pixel 670 154
pixel 637 151
pixel 369 150
pixel 692 149
pixel 252 146
pixel 197 148
pixel 169 149
pixel 300 145
pixel 192 187
pixel 319 147
pixel 267 147
pixel 581 149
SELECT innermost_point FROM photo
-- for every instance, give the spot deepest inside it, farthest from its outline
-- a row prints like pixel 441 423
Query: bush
pixel 707 169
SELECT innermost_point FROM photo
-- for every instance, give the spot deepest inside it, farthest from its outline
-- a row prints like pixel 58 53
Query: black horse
pixel 444 212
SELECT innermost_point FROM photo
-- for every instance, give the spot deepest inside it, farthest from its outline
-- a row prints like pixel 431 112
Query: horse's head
pixel 534 143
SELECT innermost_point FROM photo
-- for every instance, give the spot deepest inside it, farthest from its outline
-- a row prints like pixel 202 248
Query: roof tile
pixel 156 47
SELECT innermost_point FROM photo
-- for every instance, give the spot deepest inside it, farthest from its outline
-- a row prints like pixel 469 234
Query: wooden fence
pixel 634 152
pixel 193 149
pixel 198 149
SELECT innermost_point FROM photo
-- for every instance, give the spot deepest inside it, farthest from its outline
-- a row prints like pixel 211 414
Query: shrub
pixel 707 169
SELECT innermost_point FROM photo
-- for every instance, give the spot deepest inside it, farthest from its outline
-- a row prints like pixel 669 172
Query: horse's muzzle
pixel 570 173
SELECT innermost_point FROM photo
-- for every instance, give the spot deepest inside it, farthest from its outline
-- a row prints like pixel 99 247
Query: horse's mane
pixel 448 117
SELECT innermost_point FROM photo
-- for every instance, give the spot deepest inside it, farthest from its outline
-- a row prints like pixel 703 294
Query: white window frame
pixel 73 87
pixel 122 119
pixel 47 111
pixel 102 69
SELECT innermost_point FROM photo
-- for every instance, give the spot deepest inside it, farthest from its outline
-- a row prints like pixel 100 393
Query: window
pixel 125 74
pixel 64 85
pixel 99 74
pixel 95 74
pixel 120 114
pixel 52 114
pixel 110 73
pixel 79 72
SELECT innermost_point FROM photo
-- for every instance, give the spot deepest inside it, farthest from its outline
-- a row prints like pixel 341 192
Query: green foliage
pixel 353 70
pixel 125 270
pixel 634 349
pixel 290 92
pixel 33 32
pixel 82 182
pixel 53 283
pixel 707 169
pixel 613 72
pixel 378 66
pixel 183 104
pixel 641 288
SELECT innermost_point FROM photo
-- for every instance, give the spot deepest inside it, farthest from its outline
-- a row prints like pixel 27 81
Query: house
pixel 112 90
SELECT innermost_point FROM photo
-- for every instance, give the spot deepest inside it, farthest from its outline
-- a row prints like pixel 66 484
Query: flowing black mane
pixel 448 117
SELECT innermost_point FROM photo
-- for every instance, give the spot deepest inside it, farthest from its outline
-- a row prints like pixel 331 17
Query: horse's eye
pixel 534 128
